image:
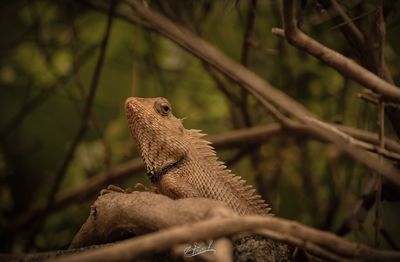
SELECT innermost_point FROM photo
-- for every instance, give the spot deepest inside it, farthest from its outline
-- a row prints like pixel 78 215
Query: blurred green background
pixel 48 52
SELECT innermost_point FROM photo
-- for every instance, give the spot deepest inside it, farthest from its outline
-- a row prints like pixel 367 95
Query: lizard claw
pixel 114 188
pixel 141 187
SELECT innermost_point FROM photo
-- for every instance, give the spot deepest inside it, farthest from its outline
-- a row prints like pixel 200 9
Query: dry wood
pixel 150 210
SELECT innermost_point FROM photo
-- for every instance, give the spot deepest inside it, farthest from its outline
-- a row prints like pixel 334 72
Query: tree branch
pixel 40 98
pixel 258 87
pixel 339 62
pixel 233 139
pixel 247 33
pixel 131 208
pixel 82 128
pixel 87 109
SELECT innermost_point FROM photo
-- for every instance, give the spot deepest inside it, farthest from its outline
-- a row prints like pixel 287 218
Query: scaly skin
pixel 180 163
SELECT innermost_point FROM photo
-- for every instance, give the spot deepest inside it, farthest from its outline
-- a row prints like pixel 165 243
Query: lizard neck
pixel 156 176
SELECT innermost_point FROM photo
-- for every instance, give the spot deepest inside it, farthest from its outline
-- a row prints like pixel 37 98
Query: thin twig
pixel 244 59
pixel 232 139
pixel 82 128
pixel 87 109
pixel 79 85
pixel 336 60
pixel 364 205
pixel 369 51
pixel 251 15
pixel 376 41
pixel 378 194
pixel 389 239
pixel 219 83
pixel 371 97
pixel 351 20
pixel 343 65
pixel 257 86
pixel 117 14
pixel 298 242
pixel 255 156
pixel 45 93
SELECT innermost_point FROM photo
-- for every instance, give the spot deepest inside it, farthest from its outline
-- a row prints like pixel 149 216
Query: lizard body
pixel 180 163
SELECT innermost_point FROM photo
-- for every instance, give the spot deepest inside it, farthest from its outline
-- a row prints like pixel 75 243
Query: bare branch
pixel 342 64
pixel 40 98
pixel 348 28
pixel 87 109
pixel 81 131
pixel 364 205
pixel 371 97
pixel 378 189
pixel 258 87
pixel 247 34
pixel 93 119
pixel 274 228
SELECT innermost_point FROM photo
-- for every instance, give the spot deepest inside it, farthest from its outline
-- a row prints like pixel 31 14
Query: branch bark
pixel 150 209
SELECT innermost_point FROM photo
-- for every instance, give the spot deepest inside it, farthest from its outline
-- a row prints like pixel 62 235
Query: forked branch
pixel 261 89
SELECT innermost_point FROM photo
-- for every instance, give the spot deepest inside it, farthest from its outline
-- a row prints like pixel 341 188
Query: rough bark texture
pixel 115 216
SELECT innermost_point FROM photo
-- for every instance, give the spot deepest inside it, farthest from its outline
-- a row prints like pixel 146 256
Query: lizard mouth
pixel 155 176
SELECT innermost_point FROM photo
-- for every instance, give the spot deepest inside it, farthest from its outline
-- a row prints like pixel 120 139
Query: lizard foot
pixel 141 187
pixel 114 188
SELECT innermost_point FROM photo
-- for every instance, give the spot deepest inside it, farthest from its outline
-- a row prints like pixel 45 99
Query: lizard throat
pixel 155 176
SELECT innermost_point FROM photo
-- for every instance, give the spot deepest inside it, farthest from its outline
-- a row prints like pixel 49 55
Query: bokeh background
pixel 48 55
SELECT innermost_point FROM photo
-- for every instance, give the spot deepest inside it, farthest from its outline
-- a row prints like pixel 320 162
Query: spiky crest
pixel 236 183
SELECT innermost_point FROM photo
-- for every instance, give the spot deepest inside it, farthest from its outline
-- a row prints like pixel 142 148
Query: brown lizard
pixel 180 163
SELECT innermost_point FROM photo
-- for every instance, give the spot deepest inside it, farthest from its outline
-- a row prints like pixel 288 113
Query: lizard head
pixel 158 133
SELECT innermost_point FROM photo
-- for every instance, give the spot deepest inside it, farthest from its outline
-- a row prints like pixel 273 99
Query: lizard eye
pixel 163 108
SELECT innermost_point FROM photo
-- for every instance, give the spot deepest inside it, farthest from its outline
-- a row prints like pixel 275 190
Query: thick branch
pixel 185 210
pixel 118 215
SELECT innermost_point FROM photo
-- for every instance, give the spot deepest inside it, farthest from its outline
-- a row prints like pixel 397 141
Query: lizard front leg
pixel 173 186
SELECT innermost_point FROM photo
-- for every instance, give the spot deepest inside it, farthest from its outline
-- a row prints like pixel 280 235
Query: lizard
pixel 180 163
